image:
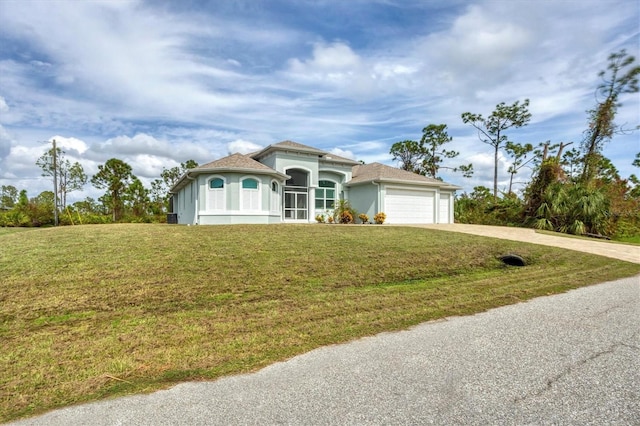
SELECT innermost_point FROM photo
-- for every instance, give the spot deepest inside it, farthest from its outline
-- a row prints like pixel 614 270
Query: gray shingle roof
pixel 235 161
pixel 329 156
pixel 380 172
pixel 296 145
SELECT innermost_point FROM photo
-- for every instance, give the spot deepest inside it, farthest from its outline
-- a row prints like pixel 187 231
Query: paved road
pixel 571 359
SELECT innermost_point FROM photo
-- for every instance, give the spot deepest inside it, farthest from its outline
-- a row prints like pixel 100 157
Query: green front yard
pixel 88 312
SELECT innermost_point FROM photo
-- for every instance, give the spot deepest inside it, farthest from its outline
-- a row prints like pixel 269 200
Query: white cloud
pixel 141 143
pixel 6 139
pixel 343 153
pixel 5 146
pixel 243 147
pixel 70 145
pixel 3 105
pixel 147 155
pixel 328 59
pixel 21 160
pixel 337 66
pixel 478 41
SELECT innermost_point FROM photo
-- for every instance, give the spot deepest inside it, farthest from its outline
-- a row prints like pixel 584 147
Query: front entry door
pixel 295 204
pixel 296 195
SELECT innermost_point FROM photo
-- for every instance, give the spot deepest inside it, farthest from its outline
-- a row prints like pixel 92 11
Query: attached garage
pixel 409 206
pixel 405 197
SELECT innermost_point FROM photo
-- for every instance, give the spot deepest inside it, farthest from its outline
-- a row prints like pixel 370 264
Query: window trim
pixel 323 190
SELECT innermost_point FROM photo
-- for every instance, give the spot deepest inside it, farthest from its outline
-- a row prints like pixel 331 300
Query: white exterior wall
pixel 184 203
pixel 232 218
pixel 285 161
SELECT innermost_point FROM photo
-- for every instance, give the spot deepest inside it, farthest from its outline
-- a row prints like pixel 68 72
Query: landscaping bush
pixel 346 217
pixel 379 218
pixel 343 212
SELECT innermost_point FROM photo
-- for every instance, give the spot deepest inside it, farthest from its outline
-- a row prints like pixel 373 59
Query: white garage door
pixel 444 208
pixel 409 206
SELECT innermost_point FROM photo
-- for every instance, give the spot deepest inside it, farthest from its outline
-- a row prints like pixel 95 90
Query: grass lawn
pixel 635 239
pixel 7 230
pixel 89 312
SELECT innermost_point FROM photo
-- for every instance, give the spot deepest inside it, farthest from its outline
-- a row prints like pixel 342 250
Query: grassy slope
pixel 93 311
pixel 6 230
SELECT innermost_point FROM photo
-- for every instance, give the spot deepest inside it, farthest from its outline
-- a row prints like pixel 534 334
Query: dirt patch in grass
pixel 88 312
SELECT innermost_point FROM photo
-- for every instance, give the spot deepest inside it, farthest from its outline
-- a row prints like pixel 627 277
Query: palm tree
pixel 574 209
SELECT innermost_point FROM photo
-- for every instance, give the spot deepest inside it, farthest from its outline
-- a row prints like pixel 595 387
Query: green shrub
pixel 626 227
pixel 14 218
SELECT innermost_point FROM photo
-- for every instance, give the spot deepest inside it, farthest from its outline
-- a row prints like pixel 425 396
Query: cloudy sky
pixel 156 83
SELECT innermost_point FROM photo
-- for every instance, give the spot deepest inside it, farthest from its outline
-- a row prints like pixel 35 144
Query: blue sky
pixel 156 83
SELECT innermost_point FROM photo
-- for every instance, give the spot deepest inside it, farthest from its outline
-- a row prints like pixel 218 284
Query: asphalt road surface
pixel 569 359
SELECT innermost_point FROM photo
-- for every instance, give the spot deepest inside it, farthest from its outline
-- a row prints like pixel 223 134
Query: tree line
pixel 126 199
pixel 575 190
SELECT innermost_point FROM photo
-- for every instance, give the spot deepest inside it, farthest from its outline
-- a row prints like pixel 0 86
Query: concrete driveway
pixel 603 248
pixel 571 359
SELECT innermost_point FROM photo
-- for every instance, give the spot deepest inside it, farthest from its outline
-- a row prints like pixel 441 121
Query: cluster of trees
pixel 126 199
pixel 576 191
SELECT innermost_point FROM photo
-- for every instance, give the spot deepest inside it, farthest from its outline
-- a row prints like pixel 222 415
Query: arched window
pixel 216 183
pixel 326 195
pixel 250 196
pixel 249 184
pixel 216 198
pixel 298 178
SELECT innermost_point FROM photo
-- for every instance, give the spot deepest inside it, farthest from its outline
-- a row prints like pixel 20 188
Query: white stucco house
pixel 291 182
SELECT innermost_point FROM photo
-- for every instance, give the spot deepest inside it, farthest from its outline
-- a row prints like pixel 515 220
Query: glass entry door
pixel 296 195
pixel 295 204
